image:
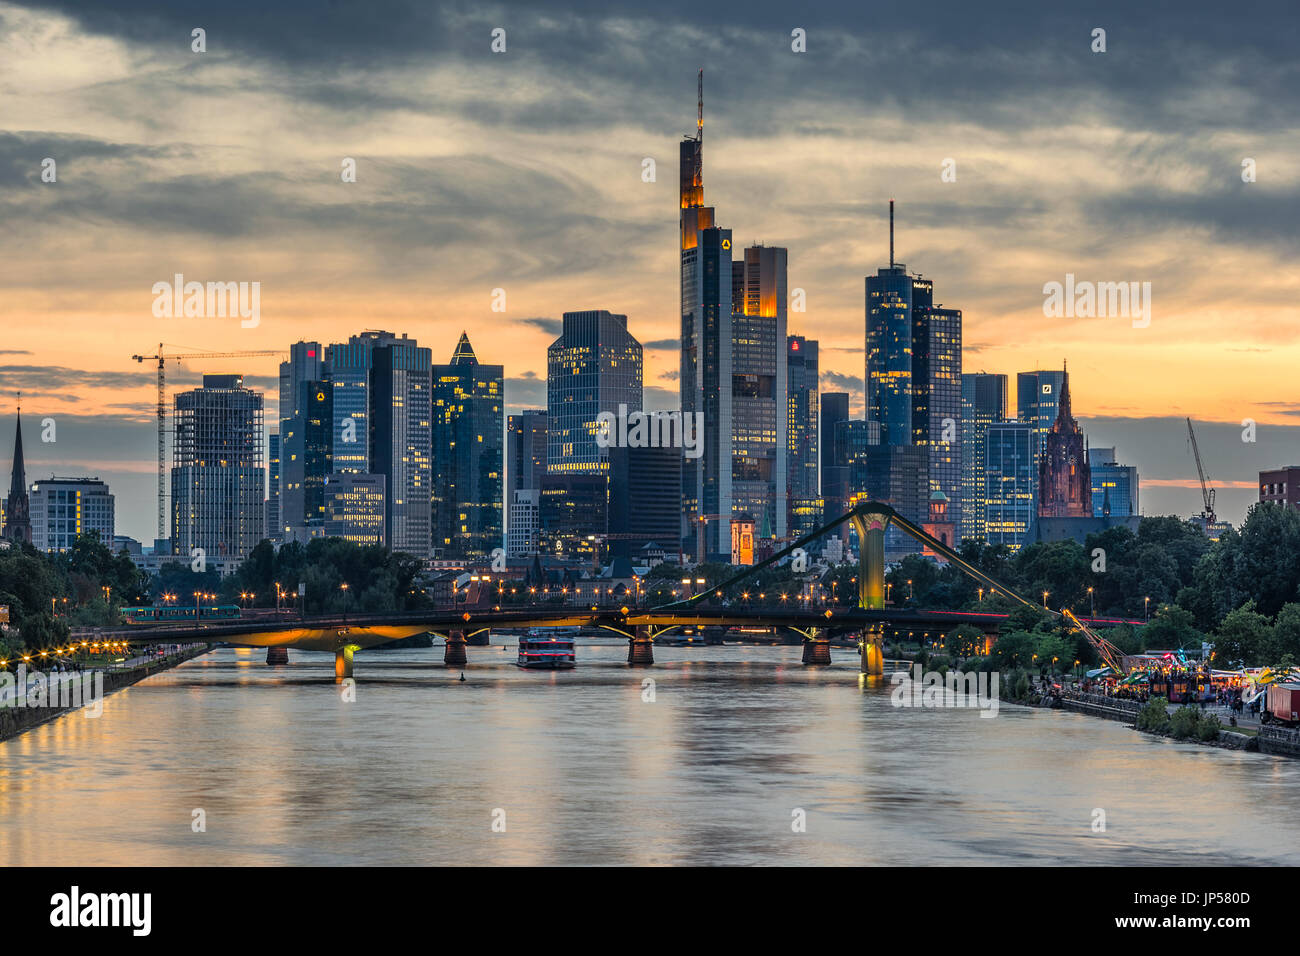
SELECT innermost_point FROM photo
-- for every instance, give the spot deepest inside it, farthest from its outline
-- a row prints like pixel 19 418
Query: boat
pixel 543 650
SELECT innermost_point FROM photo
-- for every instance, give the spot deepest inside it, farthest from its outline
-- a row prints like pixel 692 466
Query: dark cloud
pixel 549 326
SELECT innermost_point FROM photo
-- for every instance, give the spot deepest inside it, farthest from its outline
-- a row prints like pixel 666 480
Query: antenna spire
pixel 699 119
pixel 891 233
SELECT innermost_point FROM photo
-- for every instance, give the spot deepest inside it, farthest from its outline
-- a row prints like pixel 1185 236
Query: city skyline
pixel 497 196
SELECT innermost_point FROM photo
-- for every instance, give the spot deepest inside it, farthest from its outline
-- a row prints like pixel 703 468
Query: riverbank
pixel 15 720
pixel 1127 711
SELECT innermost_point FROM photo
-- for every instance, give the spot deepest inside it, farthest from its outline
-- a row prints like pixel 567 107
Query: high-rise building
pixel 349 366
pixel 834 475
pixel 803 417
pixel 593 367
pixel 354 507
pixel 1038 397
pixel 644 500
pixel 733 370
pixel 1064 478
pixel 983 401
pixel 469 460
pixel 760 406
pixel 300 379
pixel 400 434
pixel 1011 481
pixel 1114 486
pixel 523 533
pixel 62 508
pixel 273 474
pixel 526 437
pixel 913 373
pixel 17 512
pixel 218 476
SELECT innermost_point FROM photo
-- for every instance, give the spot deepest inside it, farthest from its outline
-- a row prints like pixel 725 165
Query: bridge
pixel 870 620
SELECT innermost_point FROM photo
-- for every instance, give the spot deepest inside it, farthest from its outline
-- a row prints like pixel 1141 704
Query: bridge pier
pixel 816 648
pixel 343 663
pixel 454 655
pixel 873 651
pixel 479 638
pixel 640 647
pixel 277 655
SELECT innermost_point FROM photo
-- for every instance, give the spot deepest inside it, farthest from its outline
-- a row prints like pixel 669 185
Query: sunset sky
pixel 522 171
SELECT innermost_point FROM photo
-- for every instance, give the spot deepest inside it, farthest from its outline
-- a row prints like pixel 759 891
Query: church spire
pixel 1063 414
pixel 18 524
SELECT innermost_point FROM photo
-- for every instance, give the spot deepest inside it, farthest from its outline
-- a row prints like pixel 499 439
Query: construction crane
pixel 1110 655
pixel 1207 492
pixel 161 358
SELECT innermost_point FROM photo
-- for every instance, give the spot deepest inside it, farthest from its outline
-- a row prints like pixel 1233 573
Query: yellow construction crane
pixel 161 357
pixel 1110 655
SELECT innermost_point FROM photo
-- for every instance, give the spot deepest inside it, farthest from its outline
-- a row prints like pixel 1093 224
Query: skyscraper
pixel 760 407
pixel 354 507
pixel 349 367
pixel 17 517
pixel 1038 396
pixel 593 367
pixel 913 374
pixel 300 379
pixel 834 475
pixel 803 461
pixel 469 463
pixel 526 438
pixel 218 475
pixel 983 401
pixel 1010 482
pixel 401 390
pixel 1064 478
pixel 273 474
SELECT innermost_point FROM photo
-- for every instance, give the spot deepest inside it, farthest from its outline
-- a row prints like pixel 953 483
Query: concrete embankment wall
pixel 16 720
pixel 1283 741
pixel 1098 706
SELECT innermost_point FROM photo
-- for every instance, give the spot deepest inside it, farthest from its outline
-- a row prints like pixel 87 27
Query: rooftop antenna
pixel 891 233
pixel 699 119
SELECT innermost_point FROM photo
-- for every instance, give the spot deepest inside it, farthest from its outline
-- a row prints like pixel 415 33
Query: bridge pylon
pixel 816 647
pixel 343 662
pixel 870 524
pixel 454 655
pixel 640 646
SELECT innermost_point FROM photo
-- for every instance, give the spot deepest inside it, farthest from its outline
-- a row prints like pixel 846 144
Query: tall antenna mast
pixel 699 120
pixel 891 233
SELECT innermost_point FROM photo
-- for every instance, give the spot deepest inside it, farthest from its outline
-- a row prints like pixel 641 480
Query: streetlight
pixel 1092 600
pixel 909 590
pixel 344 588
pixel 1146 606
pixel 1044 600
pixel 981 590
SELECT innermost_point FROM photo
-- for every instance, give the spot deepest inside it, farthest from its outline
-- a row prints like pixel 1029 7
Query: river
pixel 737 746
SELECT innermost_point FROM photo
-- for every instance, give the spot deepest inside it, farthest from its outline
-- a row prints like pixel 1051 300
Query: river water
pixel 523 767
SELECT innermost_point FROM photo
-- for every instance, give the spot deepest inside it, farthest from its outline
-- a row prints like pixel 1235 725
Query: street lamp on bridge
pixel 1045 600
pixel 1146 607
pixel 1092 602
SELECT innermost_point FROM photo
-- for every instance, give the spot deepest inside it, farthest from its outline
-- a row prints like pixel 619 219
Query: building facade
pixel 218 475
pixel 803 458
pixel 354 507
pixel 62 508
pixel 1011 482
pixel 1280 486
pixel 1038 399
pixel 468 453
pixel 983 401
pixel 593 367
pixel 1114 486
pixel 401 436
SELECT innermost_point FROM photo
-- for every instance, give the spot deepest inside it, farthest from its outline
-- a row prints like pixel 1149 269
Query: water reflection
pixel 586 771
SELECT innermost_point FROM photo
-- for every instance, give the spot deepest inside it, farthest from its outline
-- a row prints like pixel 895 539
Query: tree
pixel 964 640
pixel 1171 628
pixel 1245 635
